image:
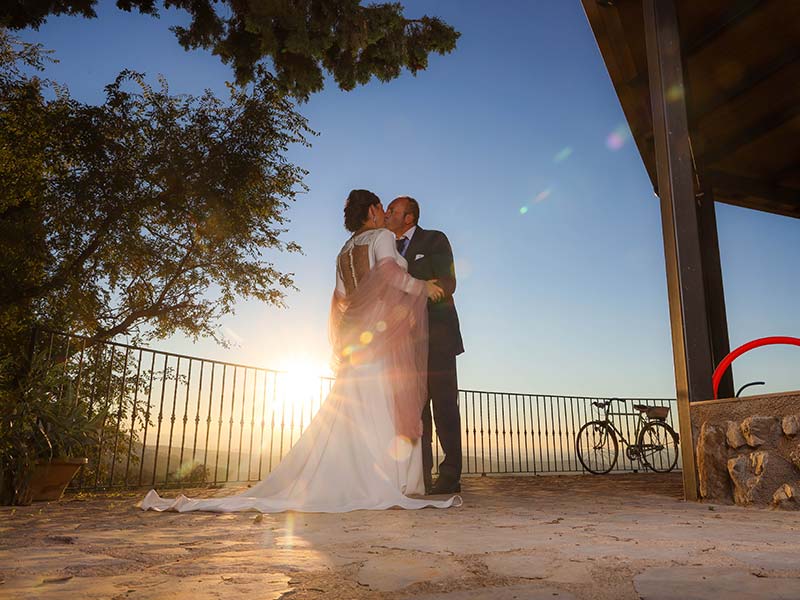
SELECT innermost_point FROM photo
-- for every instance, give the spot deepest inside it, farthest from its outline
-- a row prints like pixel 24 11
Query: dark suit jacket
pixel 436 262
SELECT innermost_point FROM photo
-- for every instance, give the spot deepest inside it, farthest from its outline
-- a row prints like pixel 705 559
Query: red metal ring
pixel 767 341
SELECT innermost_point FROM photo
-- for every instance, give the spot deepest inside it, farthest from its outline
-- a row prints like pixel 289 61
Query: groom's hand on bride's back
pixel 435 292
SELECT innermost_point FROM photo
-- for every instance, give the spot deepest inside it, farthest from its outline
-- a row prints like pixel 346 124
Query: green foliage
pixel 41 418
pixel 75 398
pixel 66 427
pixel 301 39
pixel 120 218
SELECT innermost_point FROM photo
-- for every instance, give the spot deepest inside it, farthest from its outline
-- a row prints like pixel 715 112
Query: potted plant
pixel 67 432
pixel 45 431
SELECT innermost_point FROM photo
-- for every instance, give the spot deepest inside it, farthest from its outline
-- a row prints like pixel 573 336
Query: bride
pixel 363 448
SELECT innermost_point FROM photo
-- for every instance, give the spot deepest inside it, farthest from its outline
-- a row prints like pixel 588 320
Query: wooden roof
pixel 742 78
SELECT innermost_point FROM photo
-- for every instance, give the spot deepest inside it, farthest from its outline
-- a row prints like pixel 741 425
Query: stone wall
pixel 748 449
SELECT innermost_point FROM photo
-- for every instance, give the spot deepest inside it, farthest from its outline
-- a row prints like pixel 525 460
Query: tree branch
pixel 157 308
pixel 69 268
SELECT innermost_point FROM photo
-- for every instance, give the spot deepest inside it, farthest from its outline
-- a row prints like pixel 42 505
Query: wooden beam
pixel 691 347
pixel 726 147
pixel 755 194
pixel 714 288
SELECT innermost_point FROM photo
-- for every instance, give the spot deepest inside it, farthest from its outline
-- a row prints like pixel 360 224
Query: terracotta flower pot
pixel 51 478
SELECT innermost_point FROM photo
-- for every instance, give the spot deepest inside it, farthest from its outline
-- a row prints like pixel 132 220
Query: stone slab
pixel 264 586
pixel 707 583
pixel 305 560
pixel 537 566
pixel 517 592
pixel 772 560
pixel 58 559
pixel 395 572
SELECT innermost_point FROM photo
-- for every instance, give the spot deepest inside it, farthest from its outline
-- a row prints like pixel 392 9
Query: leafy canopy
pixel 302 39
pixel 151 209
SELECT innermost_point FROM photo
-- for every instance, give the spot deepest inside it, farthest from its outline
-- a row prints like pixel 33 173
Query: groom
pixel 429 256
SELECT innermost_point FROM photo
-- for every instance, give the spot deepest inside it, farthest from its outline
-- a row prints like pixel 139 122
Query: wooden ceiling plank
pixel 790 172
pixel 787 59
pixel 694 46
pixel 722 148
pixel 755 194
pixel 768 97
pixel 731 17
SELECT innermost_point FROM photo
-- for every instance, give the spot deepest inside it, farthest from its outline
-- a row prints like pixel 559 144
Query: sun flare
pixel 301 381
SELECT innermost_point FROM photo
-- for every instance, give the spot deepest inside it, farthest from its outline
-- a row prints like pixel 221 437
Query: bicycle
pixel 656 442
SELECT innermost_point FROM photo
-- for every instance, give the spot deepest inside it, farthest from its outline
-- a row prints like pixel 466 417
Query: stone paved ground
pixel 619 536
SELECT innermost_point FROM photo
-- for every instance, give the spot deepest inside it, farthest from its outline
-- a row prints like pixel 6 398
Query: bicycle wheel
pixel 658 446
pixel 597 447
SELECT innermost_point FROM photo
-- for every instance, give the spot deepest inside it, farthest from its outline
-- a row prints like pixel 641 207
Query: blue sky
pixel 515 146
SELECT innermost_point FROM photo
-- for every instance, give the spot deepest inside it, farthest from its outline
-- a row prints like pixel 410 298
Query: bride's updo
pixel 356 208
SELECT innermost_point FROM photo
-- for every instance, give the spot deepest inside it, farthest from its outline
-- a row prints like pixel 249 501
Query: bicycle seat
pixel 653 412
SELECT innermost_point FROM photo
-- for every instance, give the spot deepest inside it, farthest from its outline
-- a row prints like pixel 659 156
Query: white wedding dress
pixel 349 457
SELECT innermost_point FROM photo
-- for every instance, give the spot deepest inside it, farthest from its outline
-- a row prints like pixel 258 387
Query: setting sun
pixel 300 382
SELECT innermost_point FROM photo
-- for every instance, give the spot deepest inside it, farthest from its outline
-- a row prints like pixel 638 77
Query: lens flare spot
pixel 563 154
pixel 400 448
pixel 617 138
pixel 288 539
pixel 347 351
pixel 399 312
pixel 191 471
pixel 366 337
pixel 674 93
pixel 543 195
pixel 380 326
pixel 523 210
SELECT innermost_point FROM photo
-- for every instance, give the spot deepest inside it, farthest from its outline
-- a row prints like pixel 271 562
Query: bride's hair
pixel 356 208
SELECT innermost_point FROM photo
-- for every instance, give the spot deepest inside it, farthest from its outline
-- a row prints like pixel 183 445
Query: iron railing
pixel 177 420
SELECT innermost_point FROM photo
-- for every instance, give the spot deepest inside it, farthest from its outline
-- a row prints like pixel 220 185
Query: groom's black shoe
pixel 444 486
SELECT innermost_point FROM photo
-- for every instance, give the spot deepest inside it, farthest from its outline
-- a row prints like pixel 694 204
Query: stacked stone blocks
pixel 754 460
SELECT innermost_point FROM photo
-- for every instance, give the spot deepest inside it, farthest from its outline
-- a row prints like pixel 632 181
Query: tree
pixel 301 38
pixel 125 217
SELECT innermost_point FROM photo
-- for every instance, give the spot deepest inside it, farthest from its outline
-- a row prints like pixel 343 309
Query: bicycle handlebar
pixel 604 403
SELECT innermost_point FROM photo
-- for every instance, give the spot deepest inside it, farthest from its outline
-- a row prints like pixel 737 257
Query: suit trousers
pixel 443 397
